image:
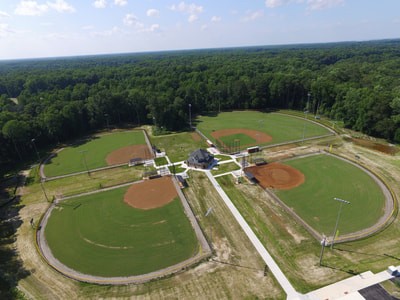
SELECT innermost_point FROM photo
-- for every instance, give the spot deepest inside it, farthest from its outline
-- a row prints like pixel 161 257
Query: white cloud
pixel 216 19
pixel 120 2
pixel 5 30
pixel 88 27
pixel 192 10
pixel 192 18
pixel 152 12
pixel 323 4
pixel 4 14
pixel 61 6
pixel 132 20
pixel 276 3
pixel 100 3
pixel 30 8
pixel 253 15
pixel 113 31
pixel 311 4
pixel 154 27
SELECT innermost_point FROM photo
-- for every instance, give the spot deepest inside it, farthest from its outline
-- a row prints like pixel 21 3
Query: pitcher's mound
pixel 277 176
pixel 151 194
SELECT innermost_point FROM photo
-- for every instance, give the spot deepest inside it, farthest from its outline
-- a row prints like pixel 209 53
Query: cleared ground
pixel 179 145
pixel 93 153
pixel 272 128
pixel 104 236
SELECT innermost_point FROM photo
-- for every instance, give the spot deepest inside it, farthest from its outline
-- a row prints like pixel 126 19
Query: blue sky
pixel 48 28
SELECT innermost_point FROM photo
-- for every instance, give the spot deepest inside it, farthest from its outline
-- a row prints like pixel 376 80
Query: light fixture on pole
pixel 190 116
pixel 337 219
pixel 37 153
pixel 84 161
pixel 323 244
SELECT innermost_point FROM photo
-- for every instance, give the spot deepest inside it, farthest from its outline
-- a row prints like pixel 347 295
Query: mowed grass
pixel 95 151
pixel 101 235
pixel 178 146
pixel 328 177
pixel 282 128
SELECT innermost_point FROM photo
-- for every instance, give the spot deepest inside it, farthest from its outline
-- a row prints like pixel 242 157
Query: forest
pixel 44 102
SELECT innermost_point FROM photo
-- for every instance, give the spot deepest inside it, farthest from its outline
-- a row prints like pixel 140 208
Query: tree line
pixel 56 100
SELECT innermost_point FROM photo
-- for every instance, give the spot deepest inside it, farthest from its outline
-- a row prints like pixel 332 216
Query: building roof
pixel 200 156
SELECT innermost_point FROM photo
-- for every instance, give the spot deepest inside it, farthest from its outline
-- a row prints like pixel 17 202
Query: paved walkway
pixel 280 277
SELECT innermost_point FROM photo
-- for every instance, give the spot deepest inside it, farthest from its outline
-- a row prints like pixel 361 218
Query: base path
pixel 280 277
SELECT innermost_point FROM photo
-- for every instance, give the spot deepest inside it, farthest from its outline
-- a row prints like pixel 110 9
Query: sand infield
pixel 277 176
pixel 258 136
pixel 151 194
pixel 125 154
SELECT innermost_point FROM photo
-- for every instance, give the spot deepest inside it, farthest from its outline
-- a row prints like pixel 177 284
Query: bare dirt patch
pixel 258 136
pixel 196 137
pixel 123 155
pixel 392 150
pixel 151 194
pixel 277 176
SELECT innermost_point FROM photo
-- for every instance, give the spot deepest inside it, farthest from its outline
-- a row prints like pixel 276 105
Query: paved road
pixel 280 277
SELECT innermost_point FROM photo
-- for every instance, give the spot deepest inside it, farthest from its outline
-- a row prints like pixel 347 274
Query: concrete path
pixel 280 277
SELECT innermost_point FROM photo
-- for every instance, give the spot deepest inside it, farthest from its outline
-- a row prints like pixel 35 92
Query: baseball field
pixel 122 232
pixel 242 129
pixel 99 151
pixel 326 178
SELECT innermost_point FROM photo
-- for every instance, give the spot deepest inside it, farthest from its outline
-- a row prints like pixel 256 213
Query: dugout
pixel 259 161
pixel 249 175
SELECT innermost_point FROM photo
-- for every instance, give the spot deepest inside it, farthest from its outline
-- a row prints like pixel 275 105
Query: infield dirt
pixel 151 194
pixel 277 176
pixel 123 155
pixel 258 136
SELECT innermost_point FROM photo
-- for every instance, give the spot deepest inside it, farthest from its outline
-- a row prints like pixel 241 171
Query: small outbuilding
pixel 200 159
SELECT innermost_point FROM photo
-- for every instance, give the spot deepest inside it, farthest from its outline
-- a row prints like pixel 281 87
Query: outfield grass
pixel 282 128
pixel 95 151
pixel 101 235
pixel 178 146
pixel 328 177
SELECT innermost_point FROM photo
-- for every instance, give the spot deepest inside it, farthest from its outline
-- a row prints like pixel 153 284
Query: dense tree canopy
pixel 54 100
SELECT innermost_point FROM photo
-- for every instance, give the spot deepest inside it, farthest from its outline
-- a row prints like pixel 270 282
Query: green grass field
pixel 101 235
pixel 282 128
pixel 178 145
pixel 328 177
pixel 71 159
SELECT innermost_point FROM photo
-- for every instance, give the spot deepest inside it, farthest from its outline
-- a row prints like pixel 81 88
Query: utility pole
pixel 337 219
pixel 37 153
pixel 323 244
pixel 190 116
pixel 84 161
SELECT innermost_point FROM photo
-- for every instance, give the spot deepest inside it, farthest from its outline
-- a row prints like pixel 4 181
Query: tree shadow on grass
pixel 11 266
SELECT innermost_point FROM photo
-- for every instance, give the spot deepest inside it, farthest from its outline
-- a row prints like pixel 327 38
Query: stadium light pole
pixel 323 244
pixel 84 161
pixel 37 153
pixel 190 116
pixel 337 219
pixel 308 101
pixel 108 125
